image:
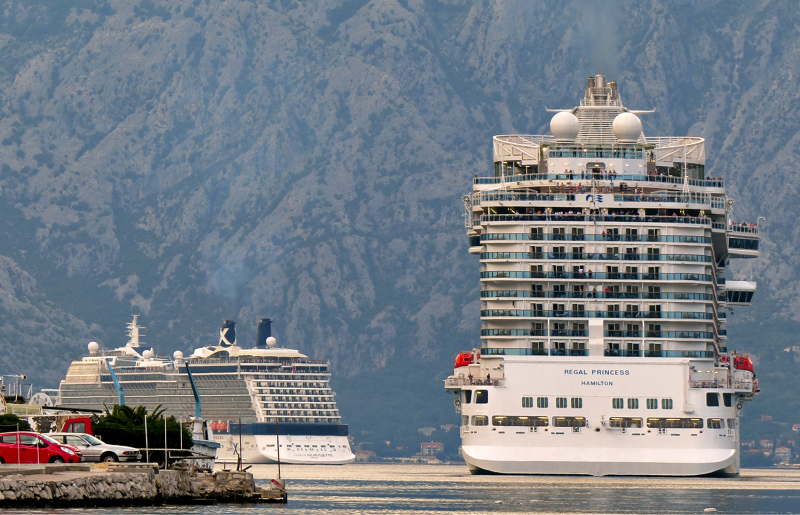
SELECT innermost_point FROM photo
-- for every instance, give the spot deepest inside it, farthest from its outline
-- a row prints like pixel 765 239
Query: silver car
pixel 96 450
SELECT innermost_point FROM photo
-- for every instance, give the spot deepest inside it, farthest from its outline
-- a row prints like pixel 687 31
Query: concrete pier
pixel 125 485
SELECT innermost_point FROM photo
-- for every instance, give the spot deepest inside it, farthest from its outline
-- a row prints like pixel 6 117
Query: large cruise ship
pixel 252 392
pixel 604 298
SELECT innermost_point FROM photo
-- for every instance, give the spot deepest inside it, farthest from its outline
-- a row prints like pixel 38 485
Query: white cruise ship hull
pixel 599 447
pixel 525 458
pixel 295 450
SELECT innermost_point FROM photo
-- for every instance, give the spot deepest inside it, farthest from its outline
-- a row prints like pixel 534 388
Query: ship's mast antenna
pixel 133 332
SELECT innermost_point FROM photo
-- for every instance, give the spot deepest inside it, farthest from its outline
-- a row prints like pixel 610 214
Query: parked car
pixel 30 447
pixel 94 449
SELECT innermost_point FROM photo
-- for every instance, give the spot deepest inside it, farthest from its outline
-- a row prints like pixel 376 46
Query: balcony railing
pixel 596 276
pixel 497 351
pixel 623 353
pixel 512 294
pixel 580 313
pixel 743 227
pixel 662 220
pixel 657 179
pixel 569 352
pixel 453 381
pixel 514 236
pixel 593 256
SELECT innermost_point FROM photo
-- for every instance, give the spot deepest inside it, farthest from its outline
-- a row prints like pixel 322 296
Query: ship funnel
pixel 263 332
pixel 613 86
pixel 590 82
pixel 227 333
pixel 599 81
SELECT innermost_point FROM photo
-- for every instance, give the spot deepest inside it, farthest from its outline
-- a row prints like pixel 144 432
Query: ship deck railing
pixel 537 294
pixel 473 381
pixel 561 217
pixel 580 313
pixel 650 238
pixel 501 274
pixel 518 351
pixel 721 383
pixel 597 256
pixel 702 199
pixel 586 176
pixel 743 227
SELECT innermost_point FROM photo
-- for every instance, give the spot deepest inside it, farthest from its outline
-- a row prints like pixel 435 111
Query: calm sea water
pixel 418 489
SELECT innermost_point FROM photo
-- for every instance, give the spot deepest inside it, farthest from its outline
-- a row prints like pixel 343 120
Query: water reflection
pixel 421 489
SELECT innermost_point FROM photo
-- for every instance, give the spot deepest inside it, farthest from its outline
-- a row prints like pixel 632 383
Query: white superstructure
pixel 603 303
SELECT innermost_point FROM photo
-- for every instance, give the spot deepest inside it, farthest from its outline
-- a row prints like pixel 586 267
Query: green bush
pixel 10 422
pixel 123 425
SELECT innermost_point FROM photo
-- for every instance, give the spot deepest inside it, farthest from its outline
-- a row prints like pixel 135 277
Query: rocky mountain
pixel 195 160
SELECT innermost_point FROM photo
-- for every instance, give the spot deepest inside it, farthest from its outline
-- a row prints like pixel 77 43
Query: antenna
pixel 134 333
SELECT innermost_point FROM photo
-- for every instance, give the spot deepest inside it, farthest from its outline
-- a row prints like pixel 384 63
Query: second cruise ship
pixel 247 394
pixel 603 257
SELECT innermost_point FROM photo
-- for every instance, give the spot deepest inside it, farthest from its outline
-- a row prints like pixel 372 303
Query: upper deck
pixel 596 240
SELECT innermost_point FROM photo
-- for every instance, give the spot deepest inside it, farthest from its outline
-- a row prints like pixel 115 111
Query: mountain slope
pixel 199 160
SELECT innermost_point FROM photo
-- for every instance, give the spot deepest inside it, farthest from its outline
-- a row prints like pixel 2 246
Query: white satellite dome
pixel 93 347
pixel 147 354
pixel 565 126
pixel 271 342
pixel 627 127
pixel 177 355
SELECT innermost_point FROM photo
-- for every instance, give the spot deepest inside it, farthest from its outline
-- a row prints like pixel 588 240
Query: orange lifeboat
pixel 743 363
pixel 463 359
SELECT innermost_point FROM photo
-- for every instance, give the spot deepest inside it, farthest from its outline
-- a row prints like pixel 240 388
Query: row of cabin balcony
pixel 560 311
pixel 583 196
pixel 612 274
pixel 653 331
pixel 557 327
pixel 508 215
pixel 627 234
pixel 610 349
pixel 558 253
pixel 617 292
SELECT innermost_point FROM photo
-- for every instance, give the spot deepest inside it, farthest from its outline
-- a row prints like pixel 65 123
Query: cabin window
pixel 633 403
pixel 712 399
pixel 617 403
pixel 576 403
pixel 481 396
pixel 675 423
pixel 569 421
pixel 727 400
pixel 652 403
pixel 467 396
pixel 624 422
pixel 666 403
pixel 561 402
pixel 715 423
pixel 480 420
pixel 527 402
pixel 499 420
pixel 541 402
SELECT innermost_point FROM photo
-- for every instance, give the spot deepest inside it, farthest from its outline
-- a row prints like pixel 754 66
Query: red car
pixel 30 447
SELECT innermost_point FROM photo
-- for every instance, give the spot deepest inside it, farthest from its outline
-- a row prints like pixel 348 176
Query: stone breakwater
pixel 140 486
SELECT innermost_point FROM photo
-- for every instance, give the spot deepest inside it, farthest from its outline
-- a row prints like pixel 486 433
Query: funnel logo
pixel 590 198
pixel 227 334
